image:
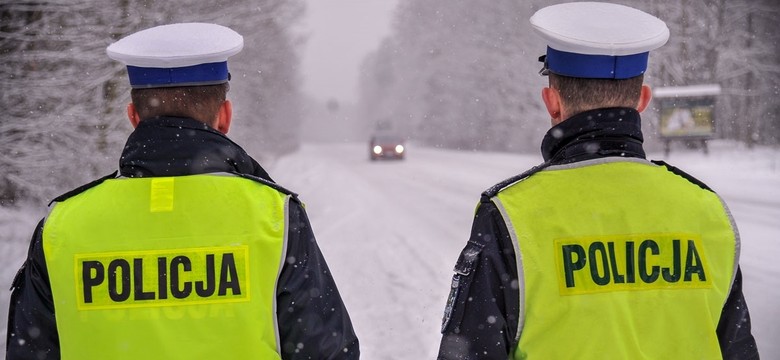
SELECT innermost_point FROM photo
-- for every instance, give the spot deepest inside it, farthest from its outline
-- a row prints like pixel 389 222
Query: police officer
pixel 190 251
pixel 598 253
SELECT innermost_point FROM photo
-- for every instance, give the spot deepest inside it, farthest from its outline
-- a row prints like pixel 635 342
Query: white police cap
pixel 186 54
pixel 598 40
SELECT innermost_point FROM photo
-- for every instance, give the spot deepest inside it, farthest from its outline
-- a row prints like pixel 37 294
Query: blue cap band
pixel 203 74
pixel 596 66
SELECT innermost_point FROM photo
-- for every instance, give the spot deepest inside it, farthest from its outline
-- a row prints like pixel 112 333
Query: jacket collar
pixel 173 146
pixel 594 134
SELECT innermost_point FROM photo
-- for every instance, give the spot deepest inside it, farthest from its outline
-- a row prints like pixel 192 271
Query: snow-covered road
pixel 391 230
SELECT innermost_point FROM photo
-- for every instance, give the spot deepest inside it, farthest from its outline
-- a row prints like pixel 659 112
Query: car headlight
pixel 377 149
pixel 399 148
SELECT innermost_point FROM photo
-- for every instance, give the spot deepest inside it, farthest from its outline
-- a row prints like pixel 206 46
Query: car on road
pixel 386 147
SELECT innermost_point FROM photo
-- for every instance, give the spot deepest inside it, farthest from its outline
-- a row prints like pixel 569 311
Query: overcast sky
pixel 340 34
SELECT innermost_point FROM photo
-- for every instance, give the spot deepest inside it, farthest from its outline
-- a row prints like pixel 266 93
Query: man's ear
pixel 552 100
pixel 224 117
pixel 132 115
pixel 644 98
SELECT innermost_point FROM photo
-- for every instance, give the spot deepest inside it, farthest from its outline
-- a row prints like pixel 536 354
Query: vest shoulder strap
pixel 83 188
pixel 268 183
pixel 682 174
pixel 495 189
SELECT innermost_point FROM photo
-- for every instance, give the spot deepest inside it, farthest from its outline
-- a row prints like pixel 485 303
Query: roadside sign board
pixel 687 111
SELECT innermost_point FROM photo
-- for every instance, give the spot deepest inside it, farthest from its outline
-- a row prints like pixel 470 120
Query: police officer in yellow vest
pixel 598 253
pixel 190 251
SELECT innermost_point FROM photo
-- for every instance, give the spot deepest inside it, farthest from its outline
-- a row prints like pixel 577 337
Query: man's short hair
pixel 581 94
pixel 197 102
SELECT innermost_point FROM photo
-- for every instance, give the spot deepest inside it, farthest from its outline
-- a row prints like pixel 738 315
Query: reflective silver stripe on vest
pixel 281 266
pixel 607 160
pixel 737 245
pixel 519 261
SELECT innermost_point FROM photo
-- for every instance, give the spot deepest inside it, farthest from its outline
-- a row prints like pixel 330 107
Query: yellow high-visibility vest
pixel 167 268
pixel 618 259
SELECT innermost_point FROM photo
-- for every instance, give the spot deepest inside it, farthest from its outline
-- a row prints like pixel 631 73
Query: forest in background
pixel 463 74
pixel 63 100
pixel 458 74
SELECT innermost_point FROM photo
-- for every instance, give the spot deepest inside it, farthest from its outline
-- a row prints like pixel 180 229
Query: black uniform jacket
pixel 313 322
pixel 487 292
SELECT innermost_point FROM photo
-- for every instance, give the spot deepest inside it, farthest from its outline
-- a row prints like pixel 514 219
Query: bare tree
pixel 730 43
pixel 63 99
pixel 56 92
pixel 460 73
